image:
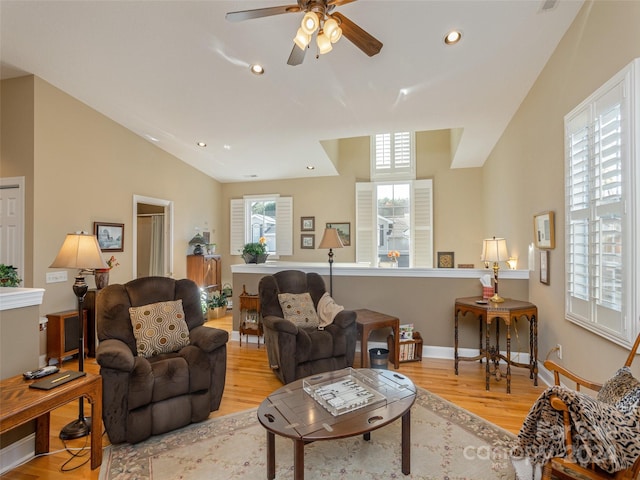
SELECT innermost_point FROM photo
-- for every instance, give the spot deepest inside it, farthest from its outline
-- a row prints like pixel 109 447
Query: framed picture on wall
pixel 446 259
pixel 110 236
pixel 344 231
pixel 544 267
pixel 307 224
pixel 307 240
pixel 544 230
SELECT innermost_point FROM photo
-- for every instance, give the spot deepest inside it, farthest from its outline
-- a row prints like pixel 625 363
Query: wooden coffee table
pixel 291 412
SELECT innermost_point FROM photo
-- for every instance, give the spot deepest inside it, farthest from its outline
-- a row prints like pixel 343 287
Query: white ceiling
pixel 176 72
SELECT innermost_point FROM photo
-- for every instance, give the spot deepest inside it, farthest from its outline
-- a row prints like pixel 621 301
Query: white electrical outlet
pixel 559 351
pixel 56 277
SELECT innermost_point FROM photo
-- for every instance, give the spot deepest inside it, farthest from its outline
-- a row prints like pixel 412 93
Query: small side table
pixel 368 320
pixel 509 312
pixel 250 323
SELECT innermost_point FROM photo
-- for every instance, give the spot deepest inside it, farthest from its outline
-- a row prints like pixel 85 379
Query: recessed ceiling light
pixel 226 146
pixel 256 69
pixel 453 37
pixel 201 144
pixel 310 167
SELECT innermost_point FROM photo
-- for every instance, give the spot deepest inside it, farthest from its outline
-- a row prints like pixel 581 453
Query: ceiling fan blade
pixel 361 39
pixel 261 12
pixel 337 3
pixel 297 56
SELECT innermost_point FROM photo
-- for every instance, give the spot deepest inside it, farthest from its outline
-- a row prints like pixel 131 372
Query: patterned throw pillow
pixel 623 390
pixel 298 308
pixel 159 328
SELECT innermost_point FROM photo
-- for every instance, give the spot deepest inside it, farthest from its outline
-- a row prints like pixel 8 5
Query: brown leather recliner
pixel 296 353
pixel 148 396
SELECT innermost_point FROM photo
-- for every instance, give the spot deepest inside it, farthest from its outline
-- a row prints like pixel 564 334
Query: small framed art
pixel 308 240
pixel 110 236
pixel 445 259
pixel 307 224
pixel 544 267
pixel 344 231
pixel 544 230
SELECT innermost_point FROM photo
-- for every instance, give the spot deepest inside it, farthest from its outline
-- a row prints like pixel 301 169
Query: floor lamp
pixel 80 251
pixel 330 240
pixel 494 250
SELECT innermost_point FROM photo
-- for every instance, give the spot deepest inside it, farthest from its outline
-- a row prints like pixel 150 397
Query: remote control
pixel 41 372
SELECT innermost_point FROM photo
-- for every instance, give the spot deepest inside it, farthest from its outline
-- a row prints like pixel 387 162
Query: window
pixel 268 216
pixel 602 225
pixel 392 155
pixel 394 213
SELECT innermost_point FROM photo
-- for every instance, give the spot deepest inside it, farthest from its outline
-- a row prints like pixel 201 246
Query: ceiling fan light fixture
pixel 302 39
pixel 332 30
pixel 324 44
pixel 310 23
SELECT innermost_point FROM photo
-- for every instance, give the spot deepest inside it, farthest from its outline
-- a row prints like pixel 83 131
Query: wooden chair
pixel 565 468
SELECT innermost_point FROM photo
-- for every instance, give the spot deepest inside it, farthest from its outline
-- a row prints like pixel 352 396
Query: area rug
pixel 447 443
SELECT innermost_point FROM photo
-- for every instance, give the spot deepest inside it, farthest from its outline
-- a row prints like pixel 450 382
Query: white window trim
pixel 239 224
pixel 629 77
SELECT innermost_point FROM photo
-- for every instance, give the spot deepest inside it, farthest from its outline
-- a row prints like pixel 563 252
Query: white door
pixel 12 222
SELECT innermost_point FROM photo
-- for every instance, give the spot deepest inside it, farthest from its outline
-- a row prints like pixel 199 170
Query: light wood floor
pixel 249 381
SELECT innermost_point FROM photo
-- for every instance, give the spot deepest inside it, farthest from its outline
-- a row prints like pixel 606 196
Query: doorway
pixel 152 237
pixel 12 223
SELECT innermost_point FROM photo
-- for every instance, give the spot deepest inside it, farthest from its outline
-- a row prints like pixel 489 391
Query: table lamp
pixel 330 240
pixel 80 250
pixel 495 250
pixel 197 240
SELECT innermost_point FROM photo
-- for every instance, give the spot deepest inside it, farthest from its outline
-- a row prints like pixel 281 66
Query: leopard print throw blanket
pixel 606 429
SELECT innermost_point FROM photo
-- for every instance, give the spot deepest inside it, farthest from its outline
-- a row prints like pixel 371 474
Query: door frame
pixel 168 231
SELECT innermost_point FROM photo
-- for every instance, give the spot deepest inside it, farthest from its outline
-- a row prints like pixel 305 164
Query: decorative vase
pixel 102 277
pixel 253 258
pixel 394 262
pixel 217 312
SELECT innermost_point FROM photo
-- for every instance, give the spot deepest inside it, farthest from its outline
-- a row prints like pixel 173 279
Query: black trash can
pixel 378 358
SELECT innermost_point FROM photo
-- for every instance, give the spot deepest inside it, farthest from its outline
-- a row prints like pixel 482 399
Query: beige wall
pixel 84 168
pixel 524 174
pixel 458 214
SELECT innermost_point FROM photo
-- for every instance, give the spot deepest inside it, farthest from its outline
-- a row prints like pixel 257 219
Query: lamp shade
pixel 302 39
pixel 494 250
pixel 310 23
pixel 324 44
pixel 79 250
pixel 330 239
pixel 332 30
pixel 197 240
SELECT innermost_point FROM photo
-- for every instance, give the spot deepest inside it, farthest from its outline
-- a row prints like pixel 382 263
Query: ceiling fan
pixel 319 19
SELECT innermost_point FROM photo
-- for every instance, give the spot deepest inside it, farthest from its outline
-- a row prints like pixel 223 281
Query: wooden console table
pixel 509 312
pixel 21 404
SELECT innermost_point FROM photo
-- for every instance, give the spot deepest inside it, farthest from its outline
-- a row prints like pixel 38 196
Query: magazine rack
pixel 410 350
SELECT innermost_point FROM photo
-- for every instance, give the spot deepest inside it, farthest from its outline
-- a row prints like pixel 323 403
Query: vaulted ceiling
pixel 177 73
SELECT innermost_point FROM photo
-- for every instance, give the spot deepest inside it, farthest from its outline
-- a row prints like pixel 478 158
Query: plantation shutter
pixel 366 222
pixel 392 156
pixel 236 227
pixel 284 226
pixel 599 230
pixel 422 224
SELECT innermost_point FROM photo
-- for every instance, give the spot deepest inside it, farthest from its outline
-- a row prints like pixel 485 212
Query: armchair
pixel 576 436
pixel 145 392
pixel 295 352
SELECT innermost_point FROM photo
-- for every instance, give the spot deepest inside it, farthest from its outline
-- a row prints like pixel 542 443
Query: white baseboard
pixel 17 453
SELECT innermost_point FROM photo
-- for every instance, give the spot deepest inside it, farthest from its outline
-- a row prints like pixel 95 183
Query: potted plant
pixel 255 252
pixel 217 304
pixel 9 276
